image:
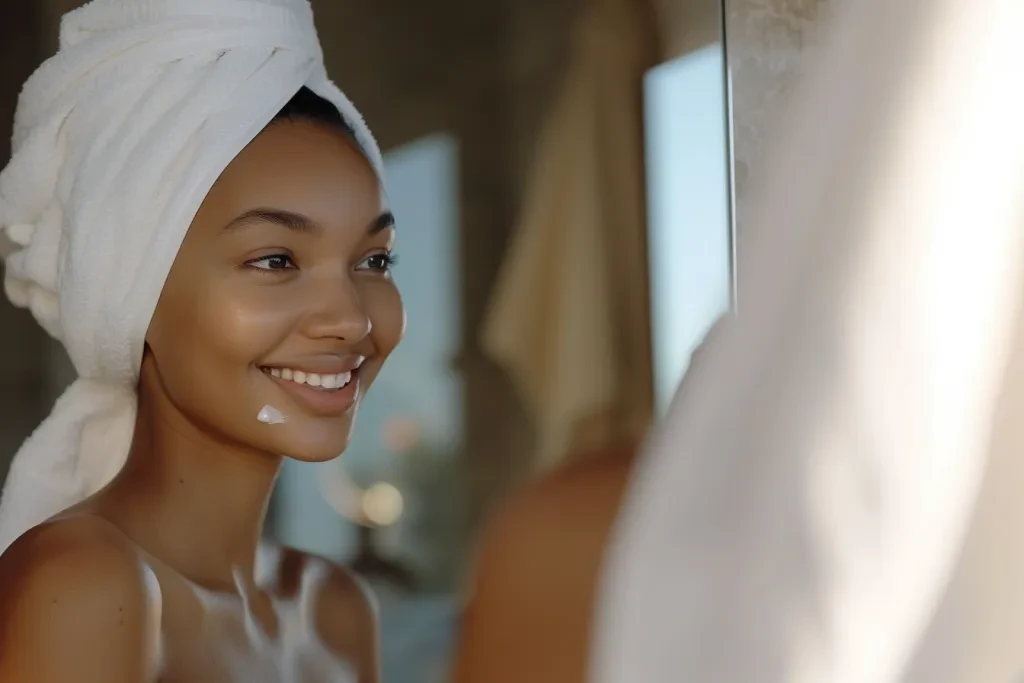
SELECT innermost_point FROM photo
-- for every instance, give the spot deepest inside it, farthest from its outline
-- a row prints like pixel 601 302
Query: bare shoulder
pixel 562 517
pixel 348 615
pixel 346 610
pixel 77 587
pixel 528 618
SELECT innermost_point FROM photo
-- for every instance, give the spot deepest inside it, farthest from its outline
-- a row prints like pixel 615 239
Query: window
pixel 689 217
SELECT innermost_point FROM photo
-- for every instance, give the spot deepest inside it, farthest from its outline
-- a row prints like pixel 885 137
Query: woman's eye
pixel 381 262
pixel 272 262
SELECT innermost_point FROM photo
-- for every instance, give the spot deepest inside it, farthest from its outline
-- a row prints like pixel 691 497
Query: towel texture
pixel 836 494
pixel 117 140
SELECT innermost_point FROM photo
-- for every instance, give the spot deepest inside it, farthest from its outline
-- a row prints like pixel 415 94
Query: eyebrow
pixel 384 221
pixel 286 219
pixel 298 222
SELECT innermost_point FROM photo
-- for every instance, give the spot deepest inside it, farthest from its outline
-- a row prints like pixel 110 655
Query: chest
pixel 216 638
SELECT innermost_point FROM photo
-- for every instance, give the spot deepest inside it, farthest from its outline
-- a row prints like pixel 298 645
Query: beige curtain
pixel 838 496
pixel 569 319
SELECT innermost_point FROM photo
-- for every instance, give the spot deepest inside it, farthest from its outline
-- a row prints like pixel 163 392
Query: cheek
pixel 206 355
pixel 239 325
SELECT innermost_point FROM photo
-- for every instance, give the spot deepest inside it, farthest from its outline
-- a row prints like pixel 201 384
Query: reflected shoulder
pixel 528 617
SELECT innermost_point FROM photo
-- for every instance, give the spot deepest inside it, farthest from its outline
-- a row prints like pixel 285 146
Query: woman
pixel 221 281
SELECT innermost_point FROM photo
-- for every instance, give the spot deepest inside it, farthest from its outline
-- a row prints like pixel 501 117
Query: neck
pixel 192 500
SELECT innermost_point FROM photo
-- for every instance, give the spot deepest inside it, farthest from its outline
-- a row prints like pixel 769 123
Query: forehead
pixel 299 166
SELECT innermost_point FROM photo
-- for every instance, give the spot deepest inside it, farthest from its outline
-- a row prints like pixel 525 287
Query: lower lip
pixel 324 403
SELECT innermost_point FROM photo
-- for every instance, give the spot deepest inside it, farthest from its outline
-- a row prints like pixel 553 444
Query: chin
pixel 312 445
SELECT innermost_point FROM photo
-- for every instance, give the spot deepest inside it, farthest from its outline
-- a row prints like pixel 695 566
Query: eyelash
pixel 271 257
pixel 390 260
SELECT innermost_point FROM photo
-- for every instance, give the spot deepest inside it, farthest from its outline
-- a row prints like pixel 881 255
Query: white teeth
pixel 313 379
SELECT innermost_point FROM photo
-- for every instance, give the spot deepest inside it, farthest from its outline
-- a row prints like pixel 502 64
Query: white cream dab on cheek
pixel 269 415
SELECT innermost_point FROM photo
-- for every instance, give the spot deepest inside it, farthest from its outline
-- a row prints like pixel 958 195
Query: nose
pixel 337 312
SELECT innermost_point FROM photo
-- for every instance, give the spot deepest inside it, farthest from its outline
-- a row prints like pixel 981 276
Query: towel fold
pixel 117 140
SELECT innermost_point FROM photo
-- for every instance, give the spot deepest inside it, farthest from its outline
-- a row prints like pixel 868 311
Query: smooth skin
pixel 531 612
pixel 287 264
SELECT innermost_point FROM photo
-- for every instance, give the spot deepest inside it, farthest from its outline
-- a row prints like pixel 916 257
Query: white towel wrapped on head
pixel 117 140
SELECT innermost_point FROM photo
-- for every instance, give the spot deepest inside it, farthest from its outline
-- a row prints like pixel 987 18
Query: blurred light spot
pixel 382 504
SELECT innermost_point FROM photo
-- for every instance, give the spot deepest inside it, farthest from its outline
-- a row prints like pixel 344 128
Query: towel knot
pixel 98 416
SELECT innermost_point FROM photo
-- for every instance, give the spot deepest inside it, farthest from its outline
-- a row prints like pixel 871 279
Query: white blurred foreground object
pixel 839 495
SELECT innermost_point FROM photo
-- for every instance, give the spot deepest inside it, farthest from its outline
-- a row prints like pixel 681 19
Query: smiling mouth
pixel 321 381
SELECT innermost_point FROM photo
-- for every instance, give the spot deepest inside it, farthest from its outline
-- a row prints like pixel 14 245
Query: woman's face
pixel 281 295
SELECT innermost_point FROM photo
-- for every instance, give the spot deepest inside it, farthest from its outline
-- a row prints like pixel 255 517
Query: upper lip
pixel 320 366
